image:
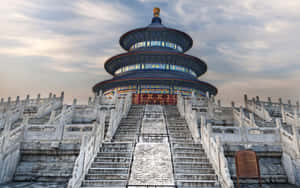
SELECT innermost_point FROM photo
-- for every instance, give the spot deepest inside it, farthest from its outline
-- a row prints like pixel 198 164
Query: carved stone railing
pixel 90 146
pixel 27 102
pixel 247 135
pixel 215 153
pixel 258 109
pixel 48 107
pixel 121 110
pixel 290 118
pixel 242 119
pixel 10 140
pixel 186 111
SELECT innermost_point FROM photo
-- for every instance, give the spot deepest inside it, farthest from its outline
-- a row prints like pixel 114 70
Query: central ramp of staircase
pixel 152 164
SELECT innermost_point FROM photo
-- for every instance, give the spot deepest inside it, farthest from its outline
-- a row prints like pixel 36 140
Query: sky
pixel 250 46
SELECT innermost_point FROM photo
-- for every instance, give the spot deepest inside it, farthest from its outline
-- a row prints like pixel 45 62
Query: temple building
pixel 154 124
pixel 155 63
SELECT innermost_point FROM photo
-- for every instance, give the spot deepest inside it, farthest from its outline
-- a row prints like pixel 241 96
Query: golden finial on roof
pixel 156 11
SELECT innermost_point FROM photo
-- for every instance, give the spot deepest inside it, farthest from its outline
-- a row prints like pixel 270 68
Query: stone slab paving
pixel 152 165
pixel 33 185
pixel 269 186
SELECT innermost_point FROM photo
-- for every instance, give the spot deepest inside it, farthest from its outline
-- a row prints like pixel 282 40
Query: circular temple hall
pixel 155 63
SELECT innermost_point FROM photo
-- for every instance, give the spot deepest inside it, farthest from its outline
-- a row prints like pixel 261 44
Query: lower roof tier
pixel 193 84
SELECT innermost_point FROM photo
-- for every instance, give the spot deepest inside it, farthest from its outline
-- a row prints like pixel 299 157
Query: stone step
pixel 48 158
pixel 110 165
pixel 108 171
pixel 195 171
pixel 196 176
pixel 104 183
pixel 33 177
pixel 188 150
pixel 186 165
pixel 114 154
pixel 112 159
pixel 106 177
pixel 196 183
pixel 188 145
pixel 191 159
pixel 189 154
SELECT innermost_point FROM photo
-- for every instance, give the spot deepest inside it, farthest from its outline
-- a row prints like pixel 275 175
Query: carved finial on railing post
pixel 283 113
pixel 246 101
pixel 62 96
pixel 38 99
pixel 280 101
pixel 289 103
pixel 297 106
pixel 242 115
pixel 232 104
pixel 27 99
pixel 50 95
pixel 269 100
pixel 219 103
pixel 257 100
pixel 74 102
pixel 54 96
pixel 17 99
pixel 2 101
pixel 8 101
pixel 90 101
pixel 100 93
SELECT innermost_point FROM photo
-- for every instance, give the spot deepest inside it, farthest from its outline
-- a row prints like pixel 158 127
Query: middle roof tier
pixel 154 57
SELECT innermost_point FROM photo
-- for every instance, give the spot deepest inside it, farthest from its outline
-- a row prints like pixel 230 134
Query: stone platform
pixel 33 185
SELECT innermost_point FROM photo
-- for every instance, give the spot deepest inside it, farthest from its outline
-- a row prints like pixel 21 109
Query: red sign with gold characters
pixel 247 165
pixel 163 99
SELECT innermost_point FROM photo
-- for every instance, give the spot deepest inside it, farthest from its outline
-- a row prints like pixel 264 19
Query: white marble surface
pixel 152 165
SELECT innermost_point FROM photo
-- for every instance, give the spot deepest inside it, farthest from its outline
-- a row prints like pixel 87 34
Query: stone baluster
pixel 219 103
pixel 242 116
pixel 296 133
pixel 2 101
pixel 252 120
pixel 297 106
pixel 52 117
pixel 283 113
pixel 279 127
pixel 246 101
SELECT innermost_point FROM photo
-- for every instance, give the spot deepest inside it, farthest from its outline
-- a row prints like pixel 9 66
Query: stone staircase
pixel 40 162
pixel 111 166
pixel 191 166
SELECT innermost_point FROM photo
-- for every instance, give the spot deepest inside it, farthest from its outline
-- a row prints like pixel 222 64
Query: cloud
pixel 65 43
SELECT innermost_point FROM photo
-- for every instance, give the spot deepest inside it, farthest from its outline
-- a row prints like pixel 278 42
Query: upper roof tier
pixel 156 31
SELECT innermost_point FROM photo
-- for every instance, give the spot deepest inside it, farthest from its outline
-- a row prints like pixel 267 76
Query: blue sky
pixel 250 46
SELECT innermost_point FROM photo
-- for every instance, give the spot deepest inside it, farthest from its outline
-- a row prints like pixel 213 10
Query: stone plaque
pixel 247 165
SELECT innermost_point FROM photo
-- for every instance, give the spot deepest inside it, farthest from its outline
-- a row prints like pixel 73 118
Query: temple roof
pixel 163 57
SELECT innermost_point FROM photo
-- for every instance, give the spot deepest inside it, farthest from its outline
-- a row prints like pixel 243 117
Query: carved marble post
pixel 246 101
pixel 252 120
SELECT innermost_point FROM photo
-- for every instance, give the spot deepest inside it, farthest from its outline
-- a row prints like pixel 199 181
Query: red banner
pixel 163 99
